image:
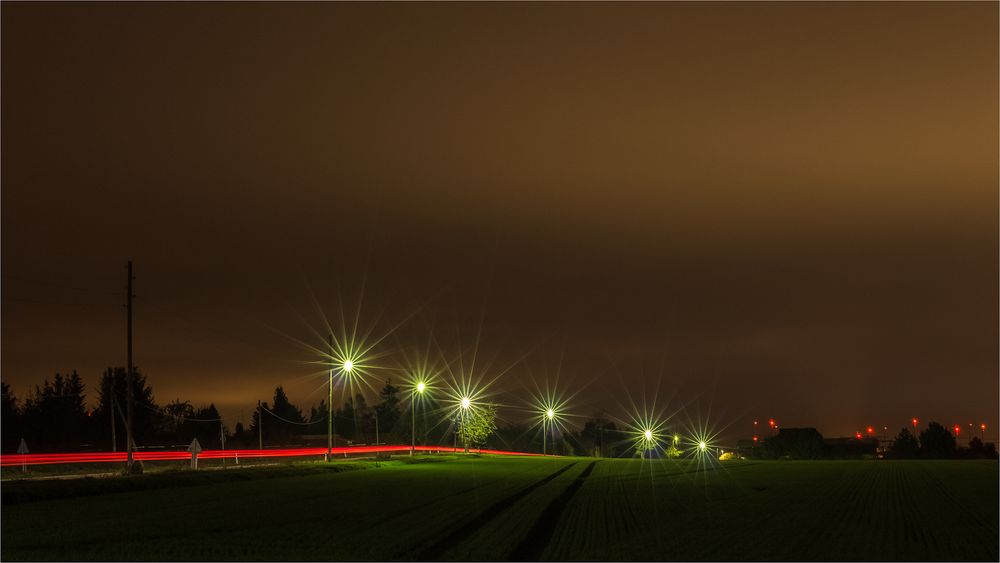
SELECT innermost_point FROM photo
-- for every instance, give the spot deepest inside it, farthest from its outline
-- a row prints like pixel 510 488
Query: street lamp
pixel 329 412
pixel 550 414
pixel 465 404
pixel 647 441
pixel 419 388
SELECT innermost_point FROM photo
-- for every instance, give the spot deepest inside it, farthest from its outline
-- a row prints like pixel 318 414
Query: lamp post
pixel 419 388
pixel 465 404
pixel 329 412
pixel 647 436
pixel 347 366
pixel 549 415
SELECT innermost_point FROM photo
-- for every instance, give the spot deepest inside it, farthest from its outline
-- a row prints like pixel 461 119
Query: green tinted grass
pixel 490 508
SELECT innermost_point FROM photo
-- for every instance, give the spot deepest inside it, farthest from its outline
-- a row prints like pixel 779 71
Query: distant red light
pixel 983 426
pixel 958 429
pixel 858 435
pixel 871 430
pixel 771 422
pixel 914 422
pixel 754 438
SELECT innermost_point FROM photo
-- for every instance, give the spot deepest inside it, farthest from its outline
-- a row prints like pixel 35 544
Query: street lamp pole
pixel 465 404
pixel 549 415
pixel 329 411
pixel 419 388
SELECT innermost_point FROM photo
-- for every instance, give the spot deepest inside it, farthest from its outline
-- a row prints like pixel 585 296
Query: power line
pixel 291 421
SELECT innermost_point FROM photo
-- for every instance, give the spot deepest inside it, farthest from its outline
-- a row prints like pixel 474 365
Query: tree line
pixel 934 442
pixel 54 417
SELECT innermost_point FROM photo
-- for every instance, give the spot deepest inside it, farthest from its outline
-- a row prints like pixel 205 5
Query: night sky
pixel 749 210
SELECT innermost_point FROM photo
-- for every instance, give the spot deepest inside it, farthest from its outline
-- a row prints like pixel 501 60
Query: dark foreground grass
pixel 486 508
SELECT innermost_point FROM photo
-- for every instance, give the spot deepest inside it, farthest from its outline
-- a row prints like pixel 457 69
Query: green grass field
pixel 493 508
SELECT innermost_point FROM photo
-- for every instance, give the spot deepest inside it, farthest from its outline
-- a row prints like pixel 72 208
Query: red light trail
pixel 181 455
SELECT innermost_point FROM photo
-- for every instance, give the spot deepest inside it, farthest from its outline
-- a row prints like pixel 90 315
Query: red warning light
pixel 871 430
pixel 754 438
pixel 771 422
pixel 858 435
pixel 958 429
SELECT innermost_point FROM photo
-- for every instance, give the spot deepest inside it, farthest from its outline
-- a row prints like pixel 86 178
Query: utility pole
pixel 260 426
pixel 329 409
pixel 111 399
pixel 128 374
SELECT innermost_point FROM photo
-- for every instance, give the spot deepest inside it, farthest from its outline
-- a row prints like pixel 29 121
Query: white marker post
pixel 23 449
pixel 194 448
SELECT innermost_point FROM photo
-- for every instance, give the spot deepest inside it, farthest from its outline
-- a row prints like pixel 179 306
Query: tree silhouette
pixel 387 410
pixel 593 438
pixel 937 442
pixel 55 414
pixel 364 420
pixel 173 423
pixel 904 445
pixel 287 421
pixel 478 425
pixel 317 418
pixel 146 414
pixel 10 421
pixel 344 419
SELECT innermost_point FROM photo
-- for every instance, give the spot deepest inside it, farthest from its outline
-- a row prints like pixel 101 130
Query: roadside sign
pixel 23 449
pixel 194 448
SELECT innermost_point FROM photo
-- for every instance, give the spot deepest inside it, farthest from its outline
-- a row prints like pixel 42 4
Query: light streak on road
pixel 119 457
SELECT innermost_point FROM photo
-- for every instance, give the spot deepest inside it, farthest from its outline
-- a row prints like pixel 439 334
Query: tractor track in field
pixel 435 550
pixel 538 537
pixel 419 507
